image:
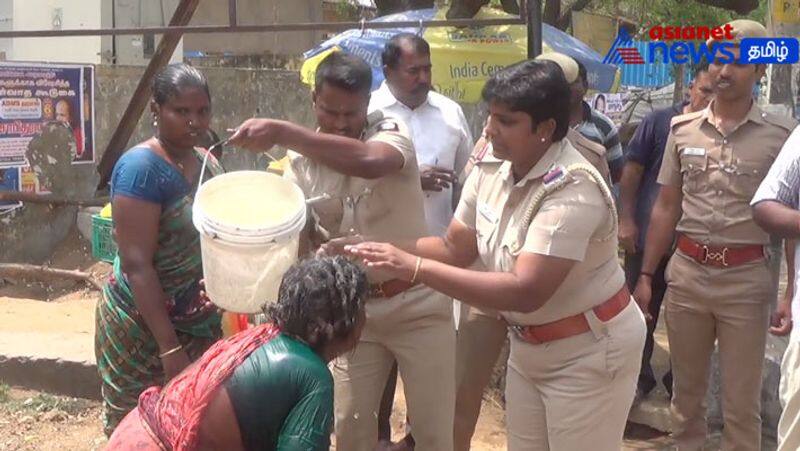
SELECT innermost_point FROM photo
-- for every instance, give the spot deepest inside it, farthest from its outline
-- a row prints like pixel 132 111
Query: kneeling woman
pixel 267 387
pixel 543 223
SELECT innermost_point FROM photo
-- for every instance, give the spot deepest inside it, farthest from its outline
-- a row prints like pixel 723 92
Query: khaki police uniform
pixel 718 175
pixel 574 392
pixel 482 332
pixel 415 327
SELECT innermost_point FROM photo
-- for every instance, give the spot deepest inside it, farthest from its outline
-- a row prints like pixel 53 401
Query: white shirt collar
pixel 383 98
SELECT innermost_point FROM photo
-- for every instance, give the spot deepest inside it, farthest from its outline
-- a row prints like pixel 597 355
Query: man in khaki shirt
pixel 360 175
pixel 718 281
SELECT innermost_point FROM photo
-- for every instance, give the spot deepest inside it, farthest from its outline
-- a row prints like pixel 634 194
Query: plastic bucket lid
pixel 240 187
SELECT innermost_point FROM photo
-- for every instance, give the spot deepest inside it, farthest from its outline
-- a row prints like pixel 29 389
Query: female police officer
pixel 544 225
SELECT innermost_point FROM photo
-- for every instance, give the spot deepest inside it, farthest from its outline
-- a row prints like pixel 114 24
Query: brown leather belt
pixel 575 324
pixel 389 288
pixel 719 255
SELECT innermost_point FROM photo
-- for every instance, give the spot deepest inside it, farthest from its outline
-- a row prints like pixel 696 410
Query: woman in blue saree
pixel 153 321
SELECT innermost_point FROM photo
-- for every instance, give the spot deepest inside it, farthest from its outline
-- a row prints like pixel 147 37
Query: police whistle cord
pixel 560 180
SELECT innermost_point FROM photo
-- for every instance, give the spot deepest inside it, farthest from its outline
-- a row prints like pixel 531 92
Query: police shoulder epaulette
pixel 579 140
pixel 484 155
pixel 375 117
pixel 684 118
pixel 555 175
pixel 787 123
pixel 384 123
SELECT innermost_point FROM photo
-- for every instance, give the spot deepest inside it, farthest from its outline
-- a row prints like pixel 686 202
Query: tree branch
pixel 564 20
pixel 739 6
pixel 43 272
pixel 34 198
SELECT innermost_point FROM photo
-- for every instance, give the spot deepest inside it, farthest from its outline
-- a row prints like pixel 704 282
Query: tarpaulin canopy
pixel 463 58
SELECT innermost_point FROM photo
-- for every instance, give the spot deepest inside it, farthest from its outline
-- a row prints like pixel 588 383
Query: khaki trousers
pixel 789 426
pixel 414 328
pixel 575 393
pixel 479 340
pixel 729 305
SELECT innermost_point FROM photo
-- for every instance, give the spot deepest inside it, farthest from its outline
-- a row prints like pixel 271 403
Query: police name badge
pixel 694 152
pixel 487 213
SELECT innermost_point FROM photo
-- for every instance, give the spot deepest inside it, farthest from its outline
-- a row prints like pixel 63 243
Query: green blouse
pixel 283 397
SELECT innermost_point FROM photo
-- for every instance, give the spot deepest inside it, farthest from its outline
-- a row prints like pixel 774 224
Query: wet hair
pixel 393 49
pixel 582 75
pixel 535 87
pixel 175 77
pixel 344 71
pixel 320 300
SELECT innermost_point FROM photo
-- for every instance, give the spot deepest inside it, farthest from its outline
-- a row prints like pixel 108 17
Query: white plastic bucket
pixel 249 224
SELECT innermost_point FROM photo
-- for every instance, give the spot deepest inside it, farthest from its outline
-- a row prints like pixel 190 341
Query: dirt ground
pixel 38 421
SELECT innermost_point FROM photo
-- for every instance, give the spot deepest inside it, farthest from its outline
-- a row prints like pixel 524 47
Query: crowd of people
pixel 518 232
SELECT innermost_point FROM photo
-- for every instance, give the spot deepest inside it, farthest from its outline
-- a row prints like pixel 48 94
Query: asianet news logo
pixel 681 45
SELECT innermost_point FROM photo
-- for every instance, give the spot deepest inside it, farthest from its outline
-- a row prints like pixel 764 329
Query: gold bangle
pixel 416 270
pixel 170 352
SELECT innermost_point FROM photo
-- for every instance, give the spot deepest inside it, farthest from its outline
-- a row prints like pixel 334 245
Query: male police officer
pixel 362 177
pixel 718 282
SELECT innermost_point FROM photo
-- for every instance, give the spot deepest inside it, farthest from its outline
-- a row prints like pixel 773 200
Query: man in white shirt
pixel 443 143
pixel 776 208
pixel 439 130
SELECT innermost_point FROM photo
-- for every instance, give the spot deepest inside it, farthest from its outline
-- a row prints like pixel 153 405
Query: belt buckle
pixel 721 257
pixel 525 333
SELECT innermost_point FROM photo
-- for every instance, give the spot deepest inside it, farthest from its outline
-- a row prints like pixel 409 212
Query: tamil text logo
pixel 681 45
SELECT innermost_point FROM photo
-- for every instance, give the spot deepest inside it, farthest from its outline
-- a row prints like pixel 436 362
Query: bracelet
pixel 416 270
pixel 170 352
pixel 648 274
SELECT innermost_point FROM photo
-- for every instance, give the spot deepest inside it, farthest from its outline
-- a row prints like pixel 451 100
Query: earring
pixel 542 140
pixel 155 121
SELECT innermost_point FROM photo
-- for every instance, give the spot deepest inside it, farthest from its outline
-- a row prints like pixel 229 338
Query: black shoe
pixel 667 381
pixel 645 387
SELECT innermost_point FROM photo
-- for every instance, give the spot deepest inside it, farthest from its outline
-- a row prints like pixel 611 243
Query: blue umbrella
pixel 463 58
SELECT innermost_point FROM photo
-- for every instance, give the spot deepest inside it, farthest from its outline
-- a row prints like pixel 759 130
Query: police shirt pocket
pixel 485 226
pixel 693 168
pixel 746 177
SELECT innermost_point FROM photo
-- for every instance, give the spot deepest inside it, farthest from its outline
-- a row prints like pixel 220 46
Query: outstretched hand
pixel 256 135
pixel 337 246
pixel 385 257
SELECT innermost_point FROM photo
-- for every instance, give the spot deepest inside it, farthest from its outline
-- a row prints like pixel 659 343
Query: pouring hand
pixel 256 135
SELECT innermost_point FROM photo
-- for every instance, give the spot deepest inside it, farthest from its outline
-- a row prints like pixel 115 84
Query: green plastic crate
pixel 103 245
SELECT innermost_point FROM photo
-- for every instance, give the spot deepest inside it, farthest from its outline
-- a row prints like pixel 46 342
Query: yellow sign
pixel 786 11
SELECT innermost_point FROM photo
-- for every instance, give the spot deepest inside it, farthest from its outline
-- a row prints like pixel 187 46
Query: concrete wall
pixel 137 49
pixel 256 12
pixel 6 24
pixel 31 233
pixel 56 14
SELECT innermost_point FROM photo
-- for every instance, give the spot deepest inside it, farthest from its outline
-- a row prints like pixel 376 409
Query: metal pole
pixel 534 28
pixel 232 20
pixel 332 26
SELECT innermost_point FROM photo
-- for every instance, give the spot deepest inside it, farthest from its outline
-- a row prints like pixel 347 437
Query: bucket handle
pixel 205 159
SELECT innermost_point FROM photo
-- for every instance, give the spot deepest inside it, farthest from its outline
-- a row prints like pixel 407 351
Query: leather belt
pixel 575 324
pixel 389 288
pixel 719 255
